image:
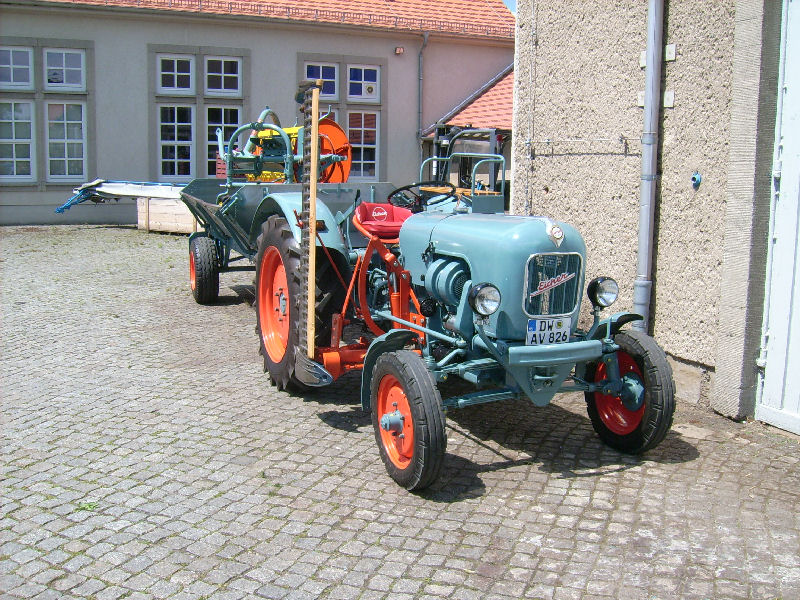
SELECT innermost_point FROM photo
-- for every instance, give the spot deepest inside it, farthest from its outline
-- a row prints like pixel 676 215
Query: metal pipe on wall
pixel 419 94
pixel 642 287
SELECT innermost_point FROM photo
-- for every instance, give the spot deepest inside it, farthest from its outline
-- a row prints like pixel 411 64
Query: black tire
pixel 402 377
pixel 634 432
pixel 204 270
pixel 276 240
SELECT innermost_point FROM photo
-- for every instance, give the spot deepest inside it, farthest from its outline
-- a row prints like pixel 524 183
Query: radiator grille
pixel 552 284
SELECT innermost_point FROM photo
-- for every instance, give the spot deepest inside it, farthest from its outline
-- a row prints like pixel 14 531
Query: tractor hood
pixel 535 262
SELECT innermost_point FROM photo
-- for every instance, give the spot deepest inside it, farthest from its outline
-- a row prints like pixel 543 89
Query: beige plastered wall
pixel 577 149
pixel 122 92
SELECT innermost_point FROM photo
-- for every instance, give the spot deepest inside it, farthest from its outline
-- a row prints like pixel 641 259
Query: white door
pixel 779 390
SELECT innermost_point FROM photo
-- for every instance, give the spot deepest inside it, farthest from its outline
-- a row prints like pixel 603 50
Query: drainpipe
pixel 652 105
pixel 419 94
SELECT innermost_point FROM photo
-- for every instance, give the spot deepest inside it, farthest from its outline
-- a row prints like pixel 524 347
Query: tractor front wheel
pixel 204 270
pixel 408 419
pixel 642 425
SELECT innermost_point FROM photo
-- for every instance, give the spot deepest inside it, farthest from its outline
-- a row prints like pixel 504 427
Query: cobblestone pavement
pixel 144 455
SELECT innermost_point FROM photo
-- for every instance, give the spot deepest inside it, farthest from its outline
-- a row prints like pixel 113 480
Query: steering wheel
pixel 410 196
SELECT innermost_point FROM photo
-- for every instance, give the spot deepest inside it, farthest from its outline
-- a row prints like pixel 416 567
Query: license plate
pixel 548 331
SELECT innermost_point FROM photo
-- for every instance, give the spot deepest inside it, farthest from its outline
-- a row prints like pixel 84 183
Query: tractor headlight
pixel 602 291
pixel 484 299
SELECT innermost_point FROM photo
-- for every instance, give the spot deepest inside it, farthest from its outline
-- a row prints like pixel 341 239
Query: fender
pixel 388 342
pixel 617 321
pixel 285 204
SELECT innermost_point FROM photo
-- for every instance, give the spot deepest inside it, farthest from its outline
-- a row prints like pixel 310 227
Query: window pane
pixel 55 76
pixel 6 131
pixel 167 132
pixel 329 88
pixel 74 131
pixel 183 66
pixel 214 82
pixel 355 89
pixel 21 75
pixel 184 82
pixel 231 67
pixel 56 150
pixel 371 75
pixel 5 74
pixel 55 59
pixel 6 167
pixel 355 74
pixel 23 167
pixel 231 83
pixel 74 167
pixel 312 71
pixel 214 115
pixel 22 150
pixel 6 151
pixel 22 111
pixel 75 150
pixel 215 66
pixel 55 112
pixel 184 114
pixel 73 77
pixel 56 131
pixel 328 72
pixel 355 120
pixel 5 111
pixel 72 60
pixel 58 167
pixel 370 120
pixel 74 112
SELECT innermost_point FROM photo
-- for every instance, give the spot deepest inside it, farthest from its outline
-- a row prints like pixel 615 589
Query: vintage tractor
pixel 417 285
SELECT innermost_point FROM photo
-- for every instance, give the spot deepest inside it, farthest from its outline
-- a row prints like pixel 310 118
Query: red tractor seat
pixel 381 220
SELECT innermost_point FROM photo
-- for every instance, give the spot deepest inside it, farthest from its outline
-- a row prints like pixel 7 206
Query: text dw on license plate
pixel 548 331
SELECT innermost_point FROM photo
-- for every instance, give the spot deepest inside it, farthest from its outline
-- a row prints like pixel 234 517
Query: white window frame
pixel 376 146
pixel 222 92
pixel 14 141
pixel 192 144
pixel 175 91
pixel 365 99
pixel 63 86
pixel 10 85
pixel 336 76
pixel 212 137
pixel 65 140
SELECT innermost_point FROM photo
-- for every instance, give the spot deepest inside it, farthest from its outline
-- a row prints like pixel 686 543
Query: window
pixel 362 83
pixel 64 69
pixel 226 117
pixel 362 129
pixel 176 140
pixel 223 76
pixel 45 119
pixel 16 66
pixel 66 141
pixel 328 72
pixel 175 74
pixel 16 141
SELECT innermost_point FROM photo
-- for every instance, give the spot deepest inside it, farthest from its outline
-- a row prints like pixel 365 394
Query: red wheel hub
pixel 192 273
pixel 273 304
pixel 399 444
pixel 613 413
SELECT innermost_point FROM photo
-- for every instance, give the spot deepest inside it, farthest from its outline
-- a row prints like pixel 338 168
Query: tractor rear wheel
pixel 204 270
pixel 279 290
pixel 632 429
pixel 408 419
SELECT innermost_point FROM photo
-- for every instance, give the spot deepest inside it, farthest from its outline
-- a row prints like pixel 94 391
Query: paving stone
pixel 145 455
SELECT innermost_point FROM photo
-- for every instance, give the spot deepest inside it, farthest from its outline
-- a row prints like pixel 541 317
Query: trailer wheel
pixel 408 419
pixel 204 270
pixel 278 292
pixel 638 430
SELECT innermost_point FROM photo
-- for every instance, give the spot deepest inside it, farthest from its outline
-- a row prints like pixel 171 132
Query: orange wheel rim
pixel 273 304
pixel 399 446
pixel 612 412
pixel 192 272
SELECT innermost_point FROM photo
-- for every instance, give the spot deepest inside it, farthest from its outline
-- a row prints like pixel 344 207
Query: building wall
pixel 577 82
pixel 122 97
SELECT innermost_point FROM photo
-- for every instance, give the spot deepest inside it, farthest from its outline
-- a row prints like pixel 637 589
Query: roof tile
pixel 491 110
pixel 484 18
